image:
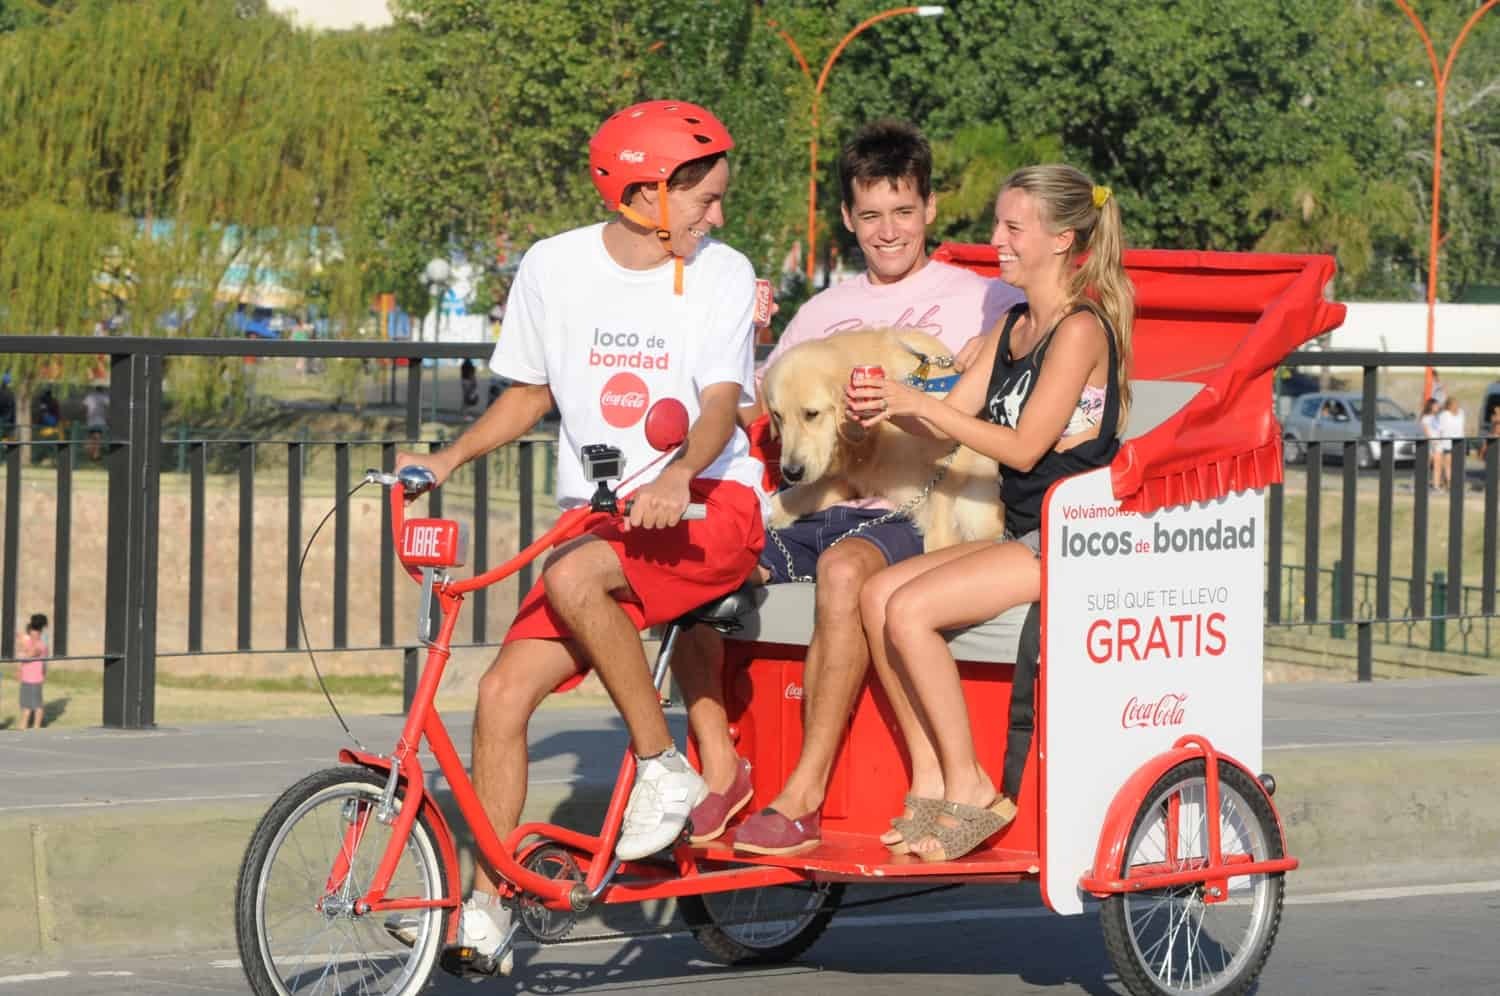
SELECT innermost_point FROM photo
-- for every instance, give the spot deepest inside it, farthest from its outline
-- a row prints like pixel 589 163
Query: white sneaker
pixel 484 928
pixel 488 930
pixel 666 790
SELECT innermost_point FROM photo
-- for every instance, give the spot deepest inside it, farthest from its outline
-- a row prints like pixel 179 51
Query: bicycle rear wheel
pixel 1173 942
pixel 764 926
pixel 295 922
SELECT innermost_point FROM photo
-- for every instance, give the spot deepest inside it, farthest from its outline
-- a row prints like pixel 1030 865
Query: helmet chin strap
pixel 662 232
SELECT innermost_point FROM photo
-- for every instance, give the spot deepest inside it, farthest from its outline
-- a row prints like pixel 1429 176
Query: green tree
pixel 485 112
pixel 154 149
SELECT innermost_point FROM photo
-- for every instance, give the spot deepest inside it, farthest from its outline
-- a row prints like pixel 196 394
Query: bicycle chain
pixel 626 935
pixel 905 508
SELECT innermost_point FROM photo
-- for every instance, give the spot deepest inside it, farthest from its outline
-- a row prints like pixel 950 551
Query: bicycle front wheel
pixel 315 853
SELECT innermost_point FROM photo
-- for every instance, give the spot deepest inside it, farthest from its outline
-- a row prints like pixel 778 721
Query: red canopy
pixel 1221 319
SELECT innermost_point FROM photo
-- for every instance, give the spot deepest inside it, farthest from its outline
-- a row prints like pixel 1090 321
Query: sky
pixel 335 13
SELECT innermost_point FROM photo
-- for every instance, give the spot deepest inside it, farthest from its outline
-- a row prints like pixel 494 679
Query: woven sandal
pixel 924 813
pixel 975 826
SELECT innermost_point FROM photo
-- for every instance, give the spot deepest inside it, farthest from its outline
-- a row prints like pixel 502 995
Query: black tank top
pixel 1011 384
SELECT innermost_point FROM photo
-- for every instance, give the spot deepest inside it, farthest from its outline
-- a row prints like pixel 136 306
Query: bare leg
pixel 698 665
pixel 941 599
pixel 583 581
pixel 837 659
pixel 522 674
pixel 926 772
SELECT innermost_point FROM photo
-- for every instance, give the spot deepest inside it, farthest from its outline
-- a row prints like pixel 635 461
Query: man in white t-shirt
pixel 885 172
pixel 602 321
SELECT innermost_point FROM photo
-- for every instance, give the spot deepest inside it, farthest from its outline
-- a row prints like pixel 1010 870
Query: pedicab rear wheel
pixel 762 926
pixel 1169 942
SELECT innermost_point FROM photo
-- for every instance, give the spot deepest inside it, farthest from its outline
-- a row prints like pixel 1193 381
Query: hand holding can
pixel 858 377
pixel 763 302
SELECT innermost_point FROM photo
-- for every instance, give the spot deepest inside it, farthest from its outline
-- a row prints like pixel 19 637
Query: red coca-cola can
pixel 866 372
pixel 762 304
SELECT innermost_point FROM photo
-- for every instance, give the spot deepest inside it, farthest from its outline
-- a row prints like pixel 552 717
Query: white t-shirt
pixel 96 408
pixel 611 341
pixel 1450 425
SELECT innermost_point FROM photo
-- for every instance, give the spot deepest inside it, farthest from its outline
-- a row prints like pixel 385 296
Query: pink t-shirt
pixel 947 301
pixel 940 299
pixel 33 653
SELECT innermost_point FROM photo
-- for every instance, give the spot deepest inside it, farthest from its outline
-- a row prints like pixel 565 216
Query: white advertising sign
pixel 1153 630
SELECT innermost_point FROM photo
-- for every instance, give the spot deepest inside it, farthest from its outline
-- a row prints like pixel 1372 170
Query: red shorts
pixel 671 571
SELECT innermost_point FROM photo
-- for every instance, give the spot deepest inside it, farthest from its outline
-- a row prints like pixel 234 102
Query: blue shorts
pixel 809 536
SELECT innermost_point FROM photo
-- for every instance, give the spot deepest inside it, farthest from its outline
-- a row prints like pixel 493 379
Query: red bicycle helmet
pixel 645 143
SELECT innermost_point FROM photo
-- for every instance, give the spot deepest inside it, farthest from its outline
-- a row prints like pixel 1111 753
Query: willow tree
pixel 154 149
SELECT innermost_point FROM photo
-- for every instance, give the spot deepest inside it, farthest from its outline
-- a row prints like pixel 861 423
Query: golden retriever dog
pixel 828 458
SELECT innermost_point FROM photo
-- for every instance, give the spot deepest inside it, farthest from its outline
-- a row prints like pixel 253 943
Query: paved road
pixel 225 761
pixel 1435 941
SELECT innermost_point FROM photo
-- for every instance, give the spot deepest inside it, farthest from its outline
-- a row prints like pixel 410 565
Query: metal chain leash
pixel 904 509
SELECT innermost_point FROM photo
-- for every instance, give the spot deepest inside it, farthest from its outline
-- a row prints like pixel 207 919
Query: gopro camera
pixel 602 462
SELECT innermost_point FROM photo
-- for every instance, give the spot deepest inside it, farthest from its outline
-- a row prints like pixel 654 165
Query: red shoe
pixel 713 814
pixel 769 832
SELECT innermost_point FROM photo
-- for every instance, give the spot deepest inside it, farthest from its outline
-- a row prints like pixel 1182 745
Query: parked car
pixel 1335 417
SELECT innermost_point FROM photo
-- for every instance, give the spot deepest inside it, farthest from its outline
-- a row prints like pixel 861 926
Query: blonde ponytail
pixel 1070 200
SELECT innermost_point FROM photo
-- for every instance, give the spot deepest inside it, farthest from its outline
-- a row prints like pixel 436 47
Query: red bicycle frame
pixel 650 881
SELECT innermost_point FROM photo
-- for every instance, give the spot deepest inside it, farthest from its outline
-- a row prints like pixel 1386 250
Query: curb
pixel 137 880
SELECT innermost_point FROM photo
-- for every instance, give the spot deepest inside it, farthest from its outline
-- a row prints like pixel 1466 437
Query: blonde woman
pixel 1046 399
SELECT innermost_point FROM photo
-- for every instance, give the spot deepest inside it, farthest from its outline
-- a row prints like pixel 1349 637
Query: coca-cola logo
pixel 623 400
pixel 794 691
pixel 1169 710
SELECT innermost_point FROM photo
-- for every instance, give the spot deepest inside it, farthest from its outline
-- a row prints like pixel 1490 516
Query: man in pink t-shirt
pixel 885 172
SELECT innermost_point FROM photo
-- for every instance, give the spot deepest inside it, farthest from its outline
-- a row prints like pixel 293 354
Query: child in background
pixel 33 654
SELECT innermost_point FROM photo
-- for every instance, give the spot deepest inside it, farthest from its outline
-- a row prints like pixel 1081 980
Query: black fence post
pixel 1439 639
pixel 61 567
pixel 12 569
pixel 245 590
pixel 130 584
pixel 293 544
pixel 526 486
pixel 197 512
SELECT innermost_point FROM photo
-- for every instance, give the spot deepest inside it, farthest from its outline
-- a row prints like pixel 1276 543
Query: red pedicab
pixel 1140 787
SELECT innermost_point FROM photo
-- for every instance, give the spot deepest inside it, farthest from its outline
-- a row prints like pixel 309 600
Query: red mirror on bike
pixel 666 424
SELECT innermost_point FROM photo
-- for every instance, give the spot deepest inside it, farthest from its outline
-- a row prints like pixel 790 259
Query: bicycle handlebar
pixel 415 481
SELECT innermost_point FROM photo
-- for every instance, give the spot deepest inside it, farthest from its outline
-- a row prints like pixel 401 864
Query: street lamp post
pixel 931 10
pixel 1440 79
pixel 438 274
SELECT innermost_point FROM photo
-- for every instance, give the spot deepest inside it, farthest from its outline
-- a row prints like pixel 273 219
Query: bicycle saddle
pixel 723 613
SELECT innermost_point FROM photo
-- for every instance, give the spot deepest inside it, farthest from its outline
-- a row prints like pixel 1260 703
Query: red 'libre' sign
pixel 433 543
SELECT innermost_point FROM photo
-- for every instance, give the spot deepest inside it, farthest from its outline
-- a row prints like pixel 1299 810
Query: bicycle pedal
pixel 466 963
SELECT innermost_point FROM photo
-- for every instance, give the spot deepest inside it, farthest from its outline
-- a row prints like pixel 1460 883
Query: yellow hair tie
pixel 1101 196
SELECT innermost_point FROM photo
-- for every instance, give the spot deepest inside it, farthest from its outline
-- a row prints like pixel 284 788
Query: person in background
pixel 469 384
pixel 1436 445
pixel 96 417
pixel 1451 429
pixel 32 651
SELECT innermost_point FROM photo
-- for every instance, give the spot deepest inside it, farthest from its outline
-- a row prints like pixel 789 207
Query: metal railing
pixel 138 458
pixel 1341 608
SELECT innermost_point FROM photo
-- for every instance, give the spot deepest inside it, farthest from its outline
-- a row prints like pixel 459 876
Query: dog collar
pixel 932 384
